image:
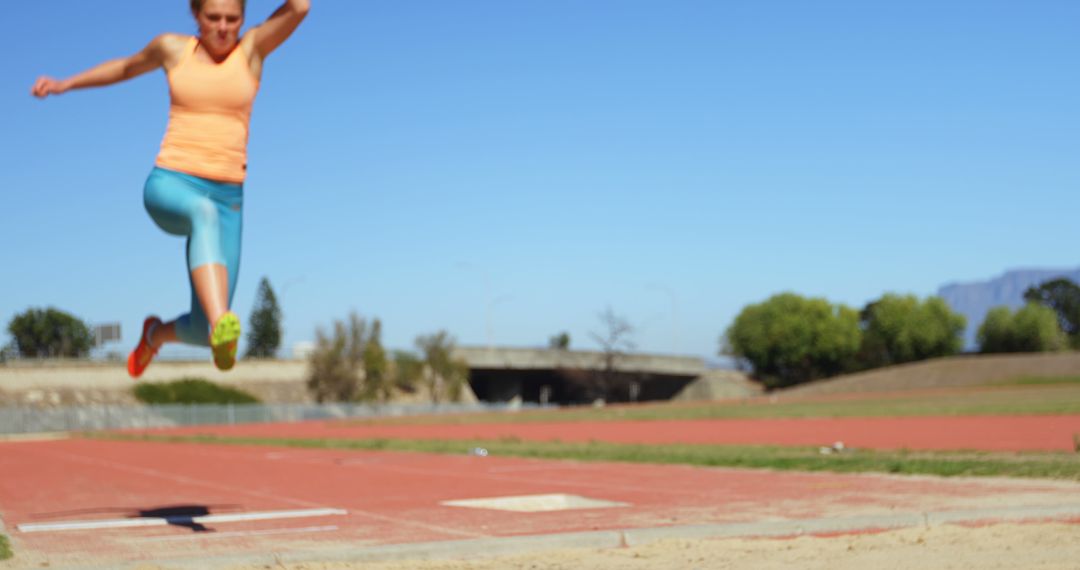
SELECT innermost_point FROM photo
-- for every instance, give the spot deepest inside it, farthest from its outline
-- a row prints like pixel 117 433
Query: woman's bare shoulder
pixel 173 43
pixel 171 47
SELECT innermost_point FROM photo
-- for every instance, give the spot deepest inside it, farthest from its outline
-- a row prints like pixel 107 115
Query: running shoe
pixel 224 339
pixel 144 352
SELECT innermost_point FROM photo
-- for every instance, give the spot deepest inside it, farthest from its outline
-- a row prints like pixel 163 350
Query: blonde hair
pixel 196 5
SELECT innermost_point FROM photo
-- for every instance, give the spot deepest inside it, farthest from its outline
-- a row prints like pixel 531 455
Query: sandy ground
pixel 1029 546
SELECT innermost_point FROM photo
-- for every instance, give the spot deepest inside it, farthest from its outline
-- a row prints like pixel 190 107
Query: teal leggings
pixel 208 213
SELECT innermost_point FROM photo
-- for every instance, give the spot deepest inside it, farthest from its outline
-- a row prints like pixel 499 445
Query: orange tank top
pixel 209 116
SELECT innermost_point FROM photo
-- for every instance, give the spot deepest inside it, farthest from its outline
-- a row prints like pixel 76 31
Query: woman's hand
pixel 46 86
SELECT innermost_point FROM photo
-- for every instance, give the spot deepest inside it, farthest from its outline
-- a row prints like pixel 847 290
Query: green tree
pixel 407 371
pixel 336 364
pixel 377 382
pixel 901 328
pixel 1036 329
pixel 560 341
pixel 1063 296
pixel 446 376
pixel 1032 328
pixel 50 333
pixel 789 339
pixel 264 331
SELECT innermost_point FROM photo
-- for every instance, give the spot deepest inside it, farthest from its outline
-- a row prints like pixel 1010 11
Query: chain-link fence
pixel 26 420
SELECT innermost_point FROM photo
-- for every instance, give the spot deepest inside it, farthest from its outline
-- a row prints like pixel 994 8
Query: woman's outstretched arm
pixel 279 26
pixel 113 71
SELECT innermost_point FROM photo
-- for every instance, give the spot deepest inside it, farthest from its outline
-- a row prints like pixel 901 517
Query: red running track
pixel 983 433
pixel 396 499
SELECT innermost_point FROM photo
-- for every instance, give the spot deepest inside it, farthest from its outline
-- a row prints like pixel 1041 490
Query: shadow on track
pixel 175 515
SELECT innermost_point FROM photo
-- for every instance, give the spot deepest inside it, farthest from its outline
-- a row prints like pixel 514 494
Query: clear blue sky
pixel 434 163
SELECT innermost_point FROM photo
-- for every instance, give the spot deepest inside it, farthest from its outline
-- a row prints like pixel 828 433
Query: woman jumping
pixel 196 187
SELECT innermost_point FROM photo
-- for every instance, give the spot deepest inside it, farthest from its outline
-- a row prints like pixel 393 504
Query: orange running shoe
pixel 140 358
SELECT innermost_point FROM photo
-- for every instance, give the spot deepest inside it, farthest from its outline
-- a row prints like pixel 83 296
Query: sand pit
pixel 1002 546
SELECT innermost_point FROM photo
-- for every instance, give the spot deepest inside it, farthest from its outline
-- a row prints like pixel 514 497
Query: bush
pixel 790 339
pixel 191 391
pixel 901 328
pixel 351 365
pixel 1033 328
pixel 50 333
pixel 408 369
pixel 336 366
pixel 1063 296
pixel 446 376
pixel 377 380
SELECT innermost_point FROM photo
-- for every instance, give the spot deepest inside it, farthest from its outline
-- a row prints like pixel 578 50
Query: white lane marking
pixel 535 503
pixel 236 533
pixel 163 521
pixel 240 490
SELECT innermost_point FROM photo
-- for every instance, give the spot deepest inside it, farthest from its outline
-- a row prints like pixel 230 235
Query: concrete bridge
pixel 500 374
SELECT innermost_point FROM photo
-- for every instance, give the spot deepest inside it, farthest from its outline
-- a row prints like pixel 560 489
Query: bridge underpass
pixel 575 377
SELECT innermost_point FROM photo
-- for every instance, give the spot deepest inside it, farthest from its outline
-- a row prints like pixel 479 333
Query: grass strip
pixel 980 464
pixel 1050 399
pixel 1041 381
pixel 5 548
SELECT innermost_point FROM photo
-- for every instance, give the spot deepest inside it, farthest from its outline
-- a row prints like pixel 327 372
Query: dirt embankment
pixel 64 383
pixel 951 372
pixel 49 384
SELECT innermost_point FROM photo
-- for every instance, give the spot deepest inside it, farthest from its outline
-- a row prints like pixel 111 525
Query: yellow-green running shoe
pixel 224 339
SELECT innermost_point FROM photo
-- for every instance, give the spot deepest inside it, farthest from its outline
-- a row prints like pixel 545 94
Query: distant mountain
pixel 974 299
